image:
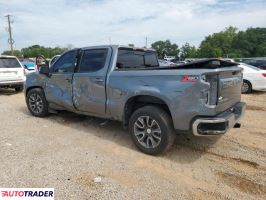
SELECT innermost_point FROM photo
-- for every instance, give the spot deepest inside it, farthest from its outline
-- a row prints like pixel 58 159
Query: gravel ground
pixel 68 151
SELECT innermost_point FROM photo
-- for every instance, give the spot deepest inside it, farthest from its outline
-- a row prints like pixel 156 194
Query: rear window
pixel 9 63
pixel 136 59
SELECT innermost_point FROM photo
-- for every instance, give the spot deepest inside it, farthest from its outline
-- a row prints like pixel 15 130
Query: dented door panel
pixel 58 90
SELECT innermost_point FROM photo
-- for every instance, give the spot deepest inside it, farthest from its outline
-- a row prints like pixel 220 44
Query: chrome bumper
pixel 221 123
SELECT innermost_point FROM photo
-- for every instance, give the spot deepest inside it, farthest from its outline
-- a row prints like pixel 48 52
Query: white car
pixel 253 78
pixel 166 63
pixel 12 73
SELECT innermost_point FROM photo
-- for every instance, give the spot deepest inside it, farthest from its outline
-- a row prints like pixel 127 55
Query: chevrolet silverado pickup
pixel 128 85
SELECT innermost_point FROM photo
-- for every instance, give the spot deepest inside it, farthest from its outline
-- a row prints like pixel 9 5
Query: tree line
pixel 35 50
pixel 227 43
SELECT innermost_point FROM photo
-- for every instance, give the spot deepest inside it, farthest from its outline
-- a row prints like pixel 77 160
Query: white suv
pixel 12 73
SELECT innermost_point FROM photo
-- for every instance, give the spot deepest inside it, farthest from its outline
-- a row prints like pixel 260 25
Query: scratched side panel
pixel 181 98
pixel 184 100
pixel 58 90
pixel 89 94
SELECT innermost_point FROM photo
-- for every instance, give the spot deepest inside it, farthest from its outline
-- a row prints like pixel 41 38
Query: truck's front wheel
pixel 151 130
pixel 37 103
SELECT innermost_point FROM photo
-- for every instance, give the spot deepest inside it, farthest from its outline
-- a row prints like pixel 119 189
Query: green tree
pixel 218 44
pixel 188 51
pixel 16 53
pixel 165 48
pixel 36 50
pixel 250 43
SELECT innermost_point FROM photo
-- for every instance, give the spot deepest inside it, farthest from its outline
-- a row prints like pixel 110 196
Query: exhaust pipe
pixel 237 125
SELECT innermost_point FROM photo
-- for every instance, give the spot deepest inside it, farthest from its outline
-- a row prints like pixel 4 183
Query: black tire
pixel 19 88
pixel 40 101
pixel 162 119
pixel 246 87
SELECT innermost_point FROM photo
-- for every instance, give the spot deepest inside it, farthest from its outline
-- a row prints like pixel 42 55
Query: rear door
pixel 58 88
pixel 10 69
pixel 89 81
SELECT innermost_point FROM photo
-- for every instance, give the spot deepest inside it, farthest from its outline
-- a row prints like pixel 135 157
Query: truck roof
pixel 120 47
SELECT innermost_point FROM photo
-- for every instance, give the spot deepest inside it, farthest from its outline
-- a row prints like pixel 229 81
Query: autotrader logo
pixel 27 193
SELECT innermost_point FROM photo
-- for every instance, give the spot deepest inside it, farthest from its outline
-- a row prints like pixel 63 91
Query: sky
pixel 95 22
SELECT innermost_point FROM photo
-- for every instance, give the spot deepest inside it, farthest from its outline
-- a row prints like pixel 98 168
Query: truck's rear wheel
pixel 151 130
pixel 37 103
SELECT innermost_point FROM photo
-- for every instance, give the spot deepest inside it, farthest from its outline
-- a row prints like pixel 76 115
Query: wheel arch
pixel 135 102
pixel 32 87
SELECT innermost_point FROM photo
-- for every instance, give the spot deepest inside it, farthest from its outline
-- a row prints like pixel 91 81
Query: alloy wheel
pixel 147 131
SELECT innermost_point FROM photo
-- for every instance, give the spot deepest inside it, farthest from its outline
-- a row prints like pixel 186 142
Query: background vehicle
pixel 12 74
pixel 263 67
pixel 29 66
pixel 256 62
pixel 53 59
pixel 127 84
pixel 253 78
pixel 165 63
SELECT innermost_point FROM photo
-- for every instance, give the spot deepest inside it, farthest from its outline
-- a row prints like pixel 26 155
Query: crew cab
pixel 127 84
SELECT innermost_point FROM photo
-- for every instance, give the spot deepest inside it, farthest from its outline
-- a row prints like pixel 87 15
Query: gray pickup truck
pixel 127 84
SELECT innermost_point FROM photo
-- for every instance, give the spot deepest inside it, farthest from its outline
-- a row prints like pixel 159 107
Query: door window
pixel 93 60
pixel 66 63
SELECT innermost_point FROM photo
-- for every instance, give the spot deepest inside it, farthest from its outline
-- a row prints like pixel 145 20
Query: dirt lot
pixel 67 151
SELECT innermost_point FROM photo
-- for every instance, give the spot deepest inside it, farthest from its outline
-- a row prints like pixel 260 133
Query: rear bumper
pixel 220 124
pixel 11 83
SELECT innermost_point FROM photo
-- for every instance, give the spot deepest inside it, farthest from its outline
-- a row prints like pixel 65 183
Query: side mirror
pixel 44 70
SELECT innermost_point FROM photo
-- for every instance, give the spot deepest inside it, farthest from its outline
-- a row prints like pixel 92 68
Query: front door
pixel 89 80
pixel 58 88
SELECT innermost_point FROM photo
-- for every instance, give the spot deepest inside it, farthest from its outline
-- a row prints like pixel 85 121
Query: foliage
pixel 165 48
pixel 16 53
pixel 36 50
pixel 218 44
pixel 188 51
pixel 249 43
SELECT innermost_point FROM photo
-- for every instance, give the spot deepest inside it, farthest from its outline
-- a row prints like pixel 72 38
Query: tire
pixel 246 87
pixel 141 132
pixel 19 88
pixel 36 102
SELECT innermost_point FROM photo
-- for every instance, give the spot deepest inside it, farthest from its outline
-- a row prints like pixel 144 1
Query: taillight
pixel 213 91
pixel 189 78
pixel 264 74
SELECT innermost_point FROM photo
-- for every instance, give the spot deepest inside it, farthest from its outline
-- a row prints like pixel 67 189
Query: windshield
pixel 9 63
